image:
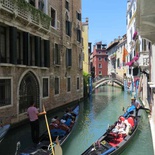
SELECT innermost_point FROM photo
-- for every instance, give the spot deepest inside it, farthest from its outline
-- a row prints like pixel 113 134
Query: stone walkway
pixel 152 125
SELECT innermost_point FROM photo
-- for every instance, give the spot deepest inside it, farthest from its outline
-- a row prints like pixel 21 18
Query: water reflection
pixel 102 109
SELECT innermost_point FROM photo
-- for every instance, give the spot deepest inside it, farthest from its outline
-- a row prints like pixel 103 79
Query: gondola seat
pixel 131 121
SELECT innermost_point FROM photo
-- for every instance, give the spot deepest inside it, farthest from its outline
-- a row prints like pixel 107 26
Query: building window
pixel 78 83
pixel 100 72
pixel 57 83
pixel 67 5
pixel 78 16
pixel 143 45
pixel 45 87
pixel 80 61
pixel 68 27
pixel 32 2
pixel 68 57
pixel 5 92
pixel 56 54
pixel 2 44
pixel 98 46
pixel 130 14
pixel 41 5
pixel 100 65
pixel 79 35
pixel 68 84
pixel 100 59
pixel 53 17
pixel 118 62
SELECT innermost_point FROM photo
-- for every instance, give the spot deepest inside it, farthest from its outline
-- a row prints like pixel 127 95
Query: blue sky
pixel 107 19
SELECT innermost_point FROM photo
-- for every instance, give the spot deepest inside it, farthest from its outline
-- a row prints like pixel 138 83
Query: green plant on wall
pixel 85 83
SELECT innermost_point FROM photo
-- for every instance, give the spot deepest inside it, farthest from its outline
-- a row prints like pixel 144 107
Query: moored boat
pixel 3 130
pixel 44 148
pixel 117 136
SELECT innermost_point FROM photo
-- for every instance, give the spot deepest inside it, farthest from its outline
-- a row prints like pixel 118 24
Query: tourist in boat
pixel 63 126
pixel 120 126
pixel 54 123
pixel 56 129
pixel 33 113
pixel 69 122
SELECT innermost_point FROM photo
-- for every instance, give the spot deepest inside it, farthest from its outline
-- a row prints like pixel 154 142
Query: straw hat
pixel 133 98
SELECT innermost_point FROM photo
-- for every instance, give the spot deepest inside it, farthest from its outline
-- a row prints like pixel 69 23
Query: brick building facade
pixel 40 55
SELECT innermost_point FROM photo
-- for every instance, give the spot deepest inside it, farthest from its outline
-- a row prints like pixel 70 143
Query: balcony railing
pixel 144 59
pixel 25 11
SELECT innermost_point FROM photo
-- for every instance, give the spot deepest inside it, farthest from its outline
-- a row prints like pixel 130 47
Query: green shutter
pixel 37 51
pixel 25 47
pixel 46 53
pixel 13 45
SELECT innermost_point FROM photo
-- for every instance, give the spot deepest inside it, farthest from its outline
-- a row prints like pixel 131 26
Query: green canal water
pixel 96 113
pixel 99 111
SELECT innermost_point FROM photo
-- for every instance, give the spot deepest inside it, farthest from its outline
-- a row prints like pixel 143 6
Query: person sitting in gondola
pixel 69 122
pixel 54 123
pixel 120 126
pixel 55 128
pixel 63 126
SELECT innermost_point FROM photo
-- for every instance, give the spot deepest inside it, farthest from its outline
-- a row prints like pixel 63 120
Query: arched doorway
pixel 28 92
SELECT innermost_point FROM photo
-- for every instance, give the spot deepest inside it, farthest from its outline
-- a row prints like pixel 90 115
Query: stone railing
pixel 25 11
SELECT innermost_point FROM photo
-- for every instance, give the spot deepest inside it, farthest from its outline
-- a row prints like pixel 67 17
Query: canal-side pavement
pixel 151 120
pixel 152 125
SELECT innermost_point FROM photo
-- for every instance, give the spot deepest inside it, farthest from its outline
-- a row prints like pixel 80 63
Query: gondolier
pixel 137 105
pixel 33 114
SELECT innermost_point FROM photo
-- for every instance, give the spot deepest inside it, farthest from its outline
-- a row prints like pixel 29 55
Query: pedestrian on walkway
pixel 33 114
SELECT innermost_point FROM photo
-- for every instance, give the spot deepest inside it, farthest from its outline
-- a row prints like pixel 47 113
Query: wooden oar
pixel 58 149
pixel 49 133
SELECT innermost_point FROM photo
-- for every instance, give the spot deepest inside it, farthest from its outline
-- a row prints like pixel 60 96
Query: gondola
pixel 113 142
pixel 3 130
pixel 44 148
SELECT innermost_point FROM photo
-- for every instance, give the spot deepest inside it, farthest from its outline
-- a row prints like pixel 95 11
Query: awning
pixel 125 53
pixel 132 61
pixel 145 19
pixel 134 35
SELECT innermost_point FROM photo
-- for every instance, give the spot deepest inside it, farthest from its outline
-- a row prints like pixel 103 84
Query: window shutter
pixel 70 29
pixel 70 56
pixel 47 53
pixel 13 45
pixel 25 47
pixel 66 57
pixel 37 51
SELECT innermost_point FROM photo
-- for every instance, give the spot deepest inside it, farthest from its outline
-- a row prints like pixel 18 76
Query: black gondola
pixel 44 148
pixel 112 142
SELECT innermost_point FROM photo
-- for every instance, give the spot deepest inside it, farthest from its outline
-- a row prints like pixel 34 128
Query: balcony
pixel 145 19
pixel 144 60
pixel 25 14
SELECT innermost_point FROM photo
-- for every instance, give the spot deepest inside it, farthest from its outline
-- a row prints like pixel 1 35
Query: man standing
pixel 33 114
pixel 137 105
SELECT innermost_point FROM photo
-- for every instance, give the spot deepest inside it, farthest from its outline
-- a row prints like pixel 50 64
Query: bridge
pixel 106 80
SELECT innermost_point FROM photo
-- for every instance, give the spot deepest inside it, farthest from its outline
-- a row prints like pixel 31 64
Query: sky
pixel 107 19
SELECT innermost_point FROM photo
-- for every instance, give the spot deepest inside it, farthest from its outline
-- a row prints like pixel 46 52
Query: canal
pixel 96 113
